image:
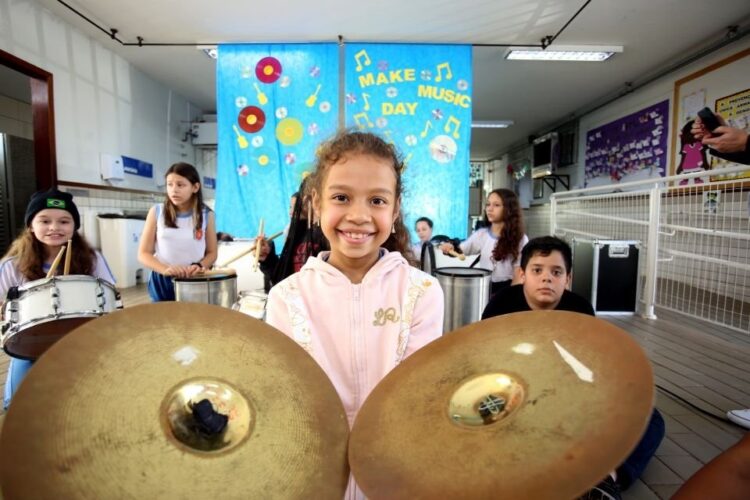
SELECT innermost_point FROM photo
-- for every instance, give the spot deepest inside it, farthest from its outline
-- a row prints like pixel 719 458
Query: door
pixel 18 182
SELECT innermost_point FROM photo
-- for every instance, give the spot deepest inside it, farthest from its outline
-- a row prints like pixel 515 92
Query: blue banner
pixel 275 104
pixel 419 98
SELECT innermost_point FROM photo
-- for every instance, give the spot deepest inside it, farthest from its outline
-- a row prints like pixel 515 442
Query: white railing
pixel 695 233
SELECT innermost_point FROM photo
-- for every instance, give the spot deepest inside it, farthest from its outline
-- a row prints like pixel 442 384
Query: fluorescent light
pixel 491 123
pixel 581 53
pixel 210 50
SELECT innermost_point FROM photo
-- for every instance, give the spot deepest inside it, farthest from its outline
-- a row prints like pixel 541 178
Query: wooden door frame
pixel 43 118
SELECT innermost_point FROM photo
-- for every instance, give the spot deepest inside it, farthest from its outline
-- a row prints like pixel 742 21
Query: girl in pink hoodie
pixel 360 308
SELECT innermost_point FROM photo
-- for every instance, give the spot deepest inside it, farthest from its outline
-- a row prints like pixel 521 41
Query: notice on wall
pixel 630 148
pixel 735 109
pixel 137 167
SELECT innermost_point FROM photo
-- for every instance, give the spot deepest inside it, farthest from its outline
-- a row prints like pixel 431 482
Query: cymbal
pixel 107 412
pixel 537 404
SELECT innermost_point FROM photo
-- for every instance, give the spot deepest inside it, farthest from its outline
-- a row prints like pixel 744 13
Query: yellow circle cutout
pixel 289 131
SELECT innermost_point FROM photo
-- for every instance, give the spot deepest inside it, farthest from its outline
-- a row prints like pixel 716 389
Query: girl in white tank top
pixel 179 238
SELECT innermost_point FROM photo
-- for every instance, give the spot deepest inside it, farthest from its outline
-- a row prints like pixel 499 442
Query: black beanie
pixel 53 198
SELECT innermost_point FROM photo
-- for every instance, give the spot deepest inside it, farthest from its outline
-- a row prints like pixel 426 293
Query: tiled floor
pixel 701 371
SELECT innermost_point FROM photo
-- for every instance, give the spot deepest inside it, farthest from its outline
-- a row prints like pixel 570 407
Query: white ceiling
pixel 654 33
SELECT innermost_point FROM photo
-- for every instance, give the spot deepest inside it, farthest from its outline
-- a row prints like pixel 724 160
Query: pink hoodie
pixel 358 333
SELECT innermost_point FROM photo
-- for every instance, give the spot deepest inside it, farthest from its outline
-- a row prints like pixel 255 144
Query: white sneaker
pixel 740 417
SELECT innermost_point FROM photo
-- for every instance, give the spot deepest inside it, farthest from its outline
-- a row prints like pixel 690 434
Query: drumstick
pixel 68 256
pixel 453 253
pixel 216 272
pixel 258 244
pixel 56 262
pixel 251 249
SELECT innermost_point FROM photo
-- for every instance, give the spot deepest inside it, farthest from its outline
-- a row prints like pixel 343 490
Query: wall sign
pixel 137 167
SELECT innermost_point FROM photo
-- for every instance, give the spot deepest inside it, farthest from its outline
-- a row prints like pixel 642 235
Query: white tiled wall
pixel 92 202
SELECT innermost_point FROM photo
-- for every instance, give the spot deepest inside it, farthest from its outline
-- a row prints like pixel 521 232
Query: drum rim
pixel 202 279
pixel 464 272
pixel 64 278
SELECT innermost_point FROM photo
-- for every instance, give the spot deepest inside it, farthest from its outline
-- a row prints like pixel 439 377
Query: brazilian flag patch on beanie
pixel 55 203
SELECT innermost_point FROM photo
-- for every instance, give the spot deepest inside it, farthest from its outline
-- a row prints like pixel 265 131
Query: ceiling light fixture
pixel 491 123
pixel 210 50
pixel 580 53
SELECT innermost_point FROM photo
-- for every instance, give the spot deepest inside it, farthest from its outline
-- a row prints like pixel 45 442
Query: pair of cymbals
pixel 529 405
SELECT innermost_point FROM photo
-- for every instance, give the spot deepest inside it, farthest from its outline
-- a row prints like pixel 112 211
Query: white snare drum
pixel 43 311
pixel 252 303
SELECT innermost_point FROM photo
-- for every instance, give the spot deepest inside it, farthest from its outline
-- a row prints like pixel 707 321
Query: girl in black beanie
pixel 51 220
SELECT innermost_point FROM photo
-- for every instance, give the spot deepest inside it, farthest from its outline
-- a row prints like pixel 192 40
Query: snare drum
pixel 252 303
pixel 43 311
pixel 217 287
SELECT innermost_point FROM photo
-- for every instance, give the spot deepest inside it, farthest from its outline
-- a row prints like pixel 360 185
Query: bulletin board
pixel 723 87
pixel 633 147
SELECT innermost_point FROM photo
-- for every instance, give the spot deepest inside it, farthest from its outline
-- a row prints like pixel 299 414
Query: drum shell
pixel 466 291
pixel 46 309
pixel 220 290
pixel 252 303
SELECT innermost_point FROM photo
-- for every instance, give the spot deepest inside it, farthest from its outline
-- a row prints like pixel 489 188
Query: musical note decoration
pixel 427 127
pixel 452 120
pixel 448 73
pixel 360 117
pixel 361 56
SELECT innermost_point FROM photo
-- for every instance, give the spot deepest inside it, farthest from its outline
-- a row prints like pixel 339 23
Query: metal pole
pixel 552 215
pixel 652 254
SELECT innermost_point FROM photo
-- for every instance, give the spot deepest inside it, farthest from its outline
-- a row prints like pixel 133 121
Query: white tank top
pixel 179 246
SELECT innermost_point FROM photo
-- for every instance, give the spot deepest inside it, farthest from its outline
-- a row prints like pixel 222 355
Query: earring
pixel 393 229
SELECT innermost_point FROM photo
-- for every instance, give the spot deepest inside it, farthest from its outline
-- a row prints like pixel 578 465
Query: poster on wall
pixel 724 84
pixel 418 97
pixel 275 104
pixel 628 149
pixel 735 109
